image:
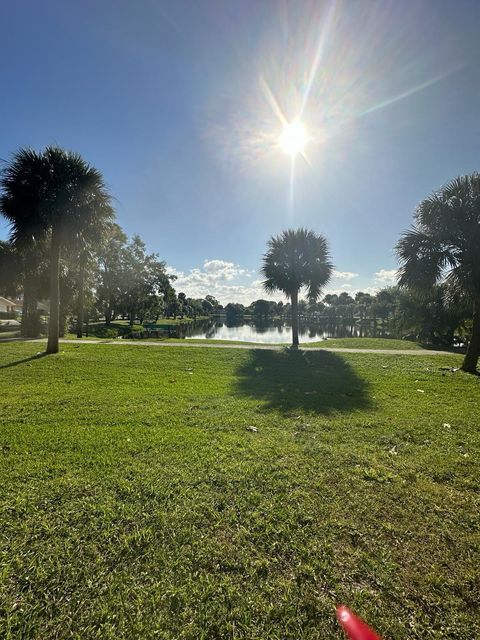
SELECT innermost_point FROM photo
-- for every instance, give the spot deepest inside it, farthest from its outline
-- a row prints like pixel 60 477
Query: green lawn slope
pixel 220 493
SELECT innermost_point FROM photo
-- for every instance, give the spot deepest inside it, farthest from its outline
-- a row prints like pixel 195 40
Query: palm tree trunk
pixel 473 351
pixel 54 323
pixel 81 297
pixel 294 301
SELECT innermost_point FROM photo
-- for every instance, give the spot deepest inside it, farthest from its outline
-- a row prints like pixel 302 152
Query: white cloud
pixel 222 270
pixel 371 290
pixel 386 277
pixel 344 275
pixel 174 272
pixel 227 281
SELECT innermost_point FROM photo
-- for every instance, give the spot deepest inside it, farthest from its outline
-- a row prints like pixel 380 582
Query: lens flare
pixel 293 138
pixel 318 75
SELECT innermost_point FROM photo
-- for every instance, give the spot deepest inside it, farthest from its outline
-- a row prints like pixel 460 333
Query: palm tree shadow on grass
pixel 316 381
pixel 37 356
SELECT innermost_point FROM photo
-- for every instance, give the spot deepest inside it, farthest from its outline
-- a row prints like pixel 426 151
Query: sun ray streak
pixel 306 158
pixel 318 56
pixel 409 92
pixel 272 101
pixel 292 189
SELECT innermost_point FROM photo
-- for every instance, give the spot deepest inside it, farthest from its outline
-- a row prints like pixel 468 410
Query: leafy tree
pixel 145 280
pixel 431 316
pixel 234 310
pixel 171 303
pixel 263 308
pixel 444 246
pixel 195 306
pixel 316 308
pixel 111 266
pixel 363 298
pixel 207 306
pixel 302 307
pixel 295 259
pixel 345 298
pixel 331 299
pixel 345 307
pixel 87 250
pixel 174 308
pixel 182 299
pixel 53 194
pixel 213 301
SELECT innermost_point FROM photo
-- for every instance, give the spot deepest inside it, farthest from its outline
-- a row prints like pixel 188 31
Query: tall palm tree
pixel 444 246
pixel 53 194
pixel 295 259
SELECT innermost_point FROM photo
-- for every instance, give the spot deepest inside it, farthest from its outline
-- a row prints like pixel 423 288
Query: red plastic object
pixel 355 627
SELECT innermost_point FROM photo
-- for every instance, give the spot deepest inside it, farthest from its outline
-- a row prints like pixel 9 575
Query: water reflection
pixel 270 331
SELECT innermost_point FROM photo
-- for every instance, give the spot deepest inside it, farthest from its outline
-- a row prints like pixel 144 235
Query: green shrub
pixel 103 332
pixel 127 330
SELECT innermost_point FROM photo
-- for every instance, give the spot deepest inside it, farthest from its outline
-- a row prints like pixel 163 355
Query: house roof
pixel 9 303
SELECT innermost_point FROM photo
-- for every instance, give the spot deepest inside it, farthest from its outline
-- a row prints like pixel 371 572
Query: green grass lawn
pixel 365 343
pixel 136 503
pixel 344 343
pixel 331 343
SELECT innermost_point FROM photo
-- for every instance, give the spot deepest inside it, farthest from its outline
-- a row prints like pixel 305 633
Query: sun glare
pixel 293 138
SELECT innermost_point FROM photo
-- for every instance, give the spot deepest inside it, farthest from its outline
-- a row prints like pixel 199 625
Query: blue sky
pixel 171 101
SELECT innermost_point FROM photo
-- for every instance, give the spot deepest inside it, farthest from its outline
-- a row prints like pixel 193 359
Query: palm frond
pixel 444 243
pixel 54 188
pixel 295 259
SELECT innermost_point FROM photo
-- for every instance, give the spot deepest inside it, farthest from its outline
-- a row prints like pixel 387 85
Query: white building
pixel 6 306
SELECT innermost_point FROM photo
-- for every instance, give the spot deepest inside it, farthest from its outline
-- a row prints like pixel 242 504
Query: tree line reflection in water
pixel 276 330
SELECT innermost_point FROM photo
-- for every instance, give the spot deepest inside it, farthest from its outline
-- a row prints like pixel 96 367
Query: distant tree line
pixel 395 312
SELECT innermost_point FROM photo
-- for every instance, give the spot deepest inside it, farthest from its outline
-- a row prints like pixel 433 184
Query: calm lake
pixel 265 330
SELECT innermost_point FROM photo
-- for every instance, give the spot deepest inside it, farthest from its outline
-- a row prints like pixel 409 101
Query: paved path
pixel 222 345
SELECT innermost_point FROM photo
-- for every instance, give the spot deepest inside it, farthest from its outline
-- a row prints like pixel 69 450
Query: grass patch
pixel 344 343
pixel 365 343
pixel 9 334
pixel 136 503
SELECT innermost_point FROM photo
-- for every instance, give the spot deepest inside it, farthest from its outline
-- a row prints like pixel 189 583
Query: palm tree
pixel 444 246
pixel 56 195
pixel 295 259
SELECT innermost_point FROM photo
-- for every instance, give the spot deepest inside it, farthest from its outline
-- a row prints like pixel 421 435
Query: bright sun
pixel 293 138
